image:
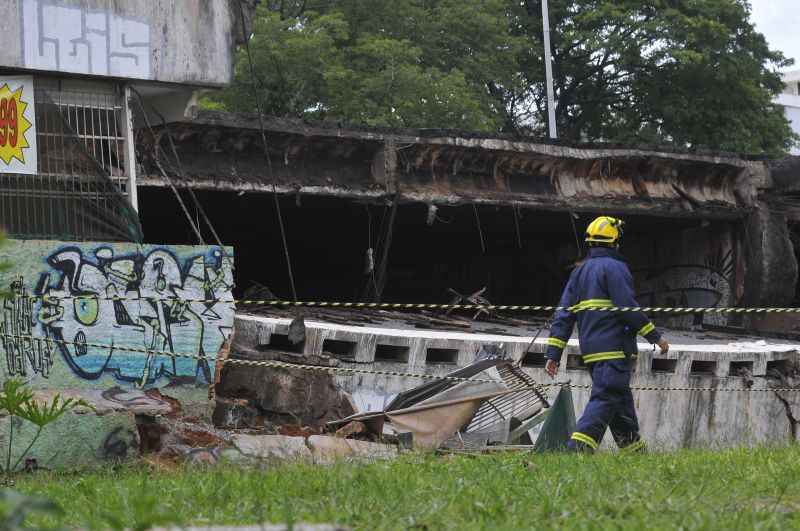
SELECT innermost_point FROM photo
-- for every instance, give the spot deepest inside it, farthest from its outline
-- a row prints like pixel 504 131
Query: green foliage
pixel 695 73
pixel 18 401
pixel 15 508
pixel 748 488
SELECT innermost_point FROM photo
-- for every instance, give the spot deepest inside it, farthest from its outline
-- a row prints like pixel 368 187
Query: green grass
pixel 731 489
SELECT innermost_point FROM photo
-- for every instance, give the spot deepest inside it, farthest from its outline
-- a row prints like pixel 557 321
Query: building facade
pixel 94 307
pixel 790 100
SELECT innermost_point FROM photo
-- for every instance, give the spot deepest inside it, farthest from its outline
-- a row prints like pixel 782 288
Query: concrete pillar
pixel 771 274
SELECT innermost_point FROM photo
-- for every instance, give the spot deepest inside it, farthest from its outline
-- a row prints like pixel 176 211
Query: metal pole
pixel 548 69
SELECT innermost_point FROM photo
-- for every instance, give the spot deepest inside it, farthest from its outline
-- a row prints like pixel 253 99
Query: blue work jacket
pixel 603 280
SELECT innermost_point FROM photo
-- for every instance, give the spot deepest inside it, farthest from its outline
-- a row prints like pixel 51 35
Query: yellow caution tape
pixel 51 299
pixel 353 370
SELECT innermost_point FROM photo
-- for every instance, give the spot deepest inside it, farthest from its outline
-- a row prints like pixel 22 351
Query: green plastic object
pixel 559 424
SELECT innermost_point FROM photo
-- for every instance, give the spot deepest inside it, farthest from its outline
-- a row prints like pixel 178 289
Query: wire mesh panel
pixel 79 192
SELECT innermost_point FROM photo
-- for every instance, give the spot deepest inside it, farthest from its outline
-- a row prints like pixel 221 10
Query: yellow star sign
pixel 13 125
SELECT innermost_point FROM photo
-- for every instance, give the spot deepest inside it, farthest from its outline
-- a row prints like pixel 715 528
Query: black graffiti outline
pixel 155 367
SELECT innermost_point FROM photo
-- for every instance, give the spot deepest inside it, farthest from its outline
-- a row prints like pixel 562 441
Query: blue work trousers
pixel 610 405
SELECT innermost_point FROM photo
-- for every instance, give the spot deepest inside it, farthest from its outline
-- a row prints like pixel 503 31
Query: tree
pixel 694 73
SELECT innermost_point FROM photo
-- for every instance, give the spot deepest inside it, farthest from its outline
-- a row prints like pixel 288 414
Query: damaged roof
pixel 223 151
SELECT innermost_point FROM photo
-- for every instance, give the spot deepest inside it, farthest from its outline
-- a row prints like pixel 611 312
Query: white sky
pixel 779 21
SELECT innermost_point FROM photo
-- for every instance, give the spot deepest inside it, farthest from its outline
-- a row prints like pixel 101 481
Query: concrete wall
pixel 669 419
pixel 53 351
pixel 180 41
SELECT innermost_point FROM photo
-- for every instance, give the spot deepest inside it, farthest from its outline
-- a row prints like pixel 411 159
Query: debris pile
pixel 280 413
pixel 495 404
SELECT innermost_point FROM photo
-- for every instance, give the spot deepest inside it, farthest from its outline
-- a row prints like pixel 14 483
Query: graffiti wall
pixel 694 268
pixel 77 307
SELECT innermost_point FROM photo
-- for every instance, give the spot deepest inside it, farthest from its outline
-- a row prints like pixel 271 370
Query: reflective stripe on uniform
pixel 646 329
pixel 634 447
pixel 555 342
pixel 603 356
pixel 592 303
pixel 582 437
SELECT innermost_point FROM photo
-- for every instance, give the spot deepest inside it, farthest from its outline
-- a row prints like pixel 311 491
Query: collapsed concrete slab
pixel 715 389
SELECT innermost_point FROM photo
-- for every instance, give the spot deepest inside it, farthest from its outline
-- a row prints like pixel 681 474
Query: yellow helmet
pixel 605 230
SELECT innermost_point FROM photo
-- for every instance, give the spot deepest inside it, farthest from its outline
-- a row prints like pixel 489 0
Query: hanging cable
pixel 516 225
pixel 480 231
pixel 578 247
pixel 254 89
pixel 157 148
pixel 181 174
pixel 385 251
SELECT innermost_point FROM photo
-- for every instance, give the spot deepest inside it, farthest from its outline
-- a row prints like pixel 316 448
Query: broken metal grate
pixel 516 405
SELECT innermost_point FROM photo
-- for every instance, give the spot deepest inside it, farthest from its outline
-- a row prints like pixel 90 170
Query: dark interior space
pixel 794 236
pixel 702 367
pixel 664 365
pixel 520 256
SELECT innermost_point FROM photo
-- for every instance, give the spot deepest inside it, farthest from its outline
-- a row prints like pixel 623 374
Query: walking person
pixel 607 338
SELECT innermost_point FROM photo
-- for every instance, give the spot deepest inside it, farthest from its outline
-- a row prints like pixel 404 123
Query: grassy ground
pixel 734 489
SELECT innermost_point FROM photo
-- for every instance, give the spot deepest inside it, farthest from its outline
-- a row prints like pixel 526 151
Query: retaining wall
pixel 74 284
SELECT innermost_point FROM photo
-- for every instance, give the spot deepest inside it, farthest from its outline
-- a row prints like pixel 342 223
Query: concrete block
pixel 272 447
pixel 326 450
pixel 371 450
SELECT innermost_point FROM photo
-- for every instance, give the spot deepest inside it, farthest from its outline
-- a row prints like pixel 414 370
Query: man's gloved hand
pixel 663 345
pixel 552 368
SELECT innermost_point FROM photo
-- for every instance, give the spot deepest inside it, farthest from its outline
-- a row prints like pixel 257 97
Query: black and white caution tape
pixel 352 370
pixel 52 299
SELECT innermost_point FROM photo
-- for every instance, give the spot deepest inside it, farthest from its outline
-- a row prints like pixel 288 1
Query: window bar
pixel 43 141
pixel 105 192
pixel 77 183
pixel 85 129
pixel 99 185
pixel 108 134
pixel 75 138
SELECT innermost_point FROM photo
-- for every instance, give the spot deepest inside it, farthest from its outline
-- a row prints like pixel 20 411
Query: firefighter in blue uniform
pixel 607 339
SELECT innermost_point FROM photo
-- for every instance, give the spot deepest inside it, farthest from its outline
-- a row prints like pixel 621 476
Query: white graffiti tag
pixel 72 39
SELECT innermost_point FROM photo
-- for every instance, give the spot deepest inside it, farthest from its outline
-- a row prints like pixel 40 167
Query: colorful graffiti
pixel 97 296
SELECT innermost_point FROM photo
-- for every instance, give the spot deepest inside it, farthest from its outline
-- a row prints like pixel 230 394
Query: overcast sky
pixel 779 21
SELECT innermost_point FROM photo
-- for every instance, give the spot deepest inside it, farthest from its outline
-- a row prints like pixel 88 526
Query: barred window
pixel 79 192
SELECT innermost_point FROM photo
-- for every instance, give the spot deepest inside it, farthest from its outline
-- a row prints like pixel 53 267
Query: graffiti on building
pixel 707 284
pixel 93 304
pixel 24 353
pixel 74 39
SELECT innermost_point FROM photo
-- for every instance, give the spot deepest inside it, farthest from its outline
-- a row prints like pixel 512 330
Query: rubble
pixel 272 447
pixel 326 450
pixel 277 395
pixel 446 411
